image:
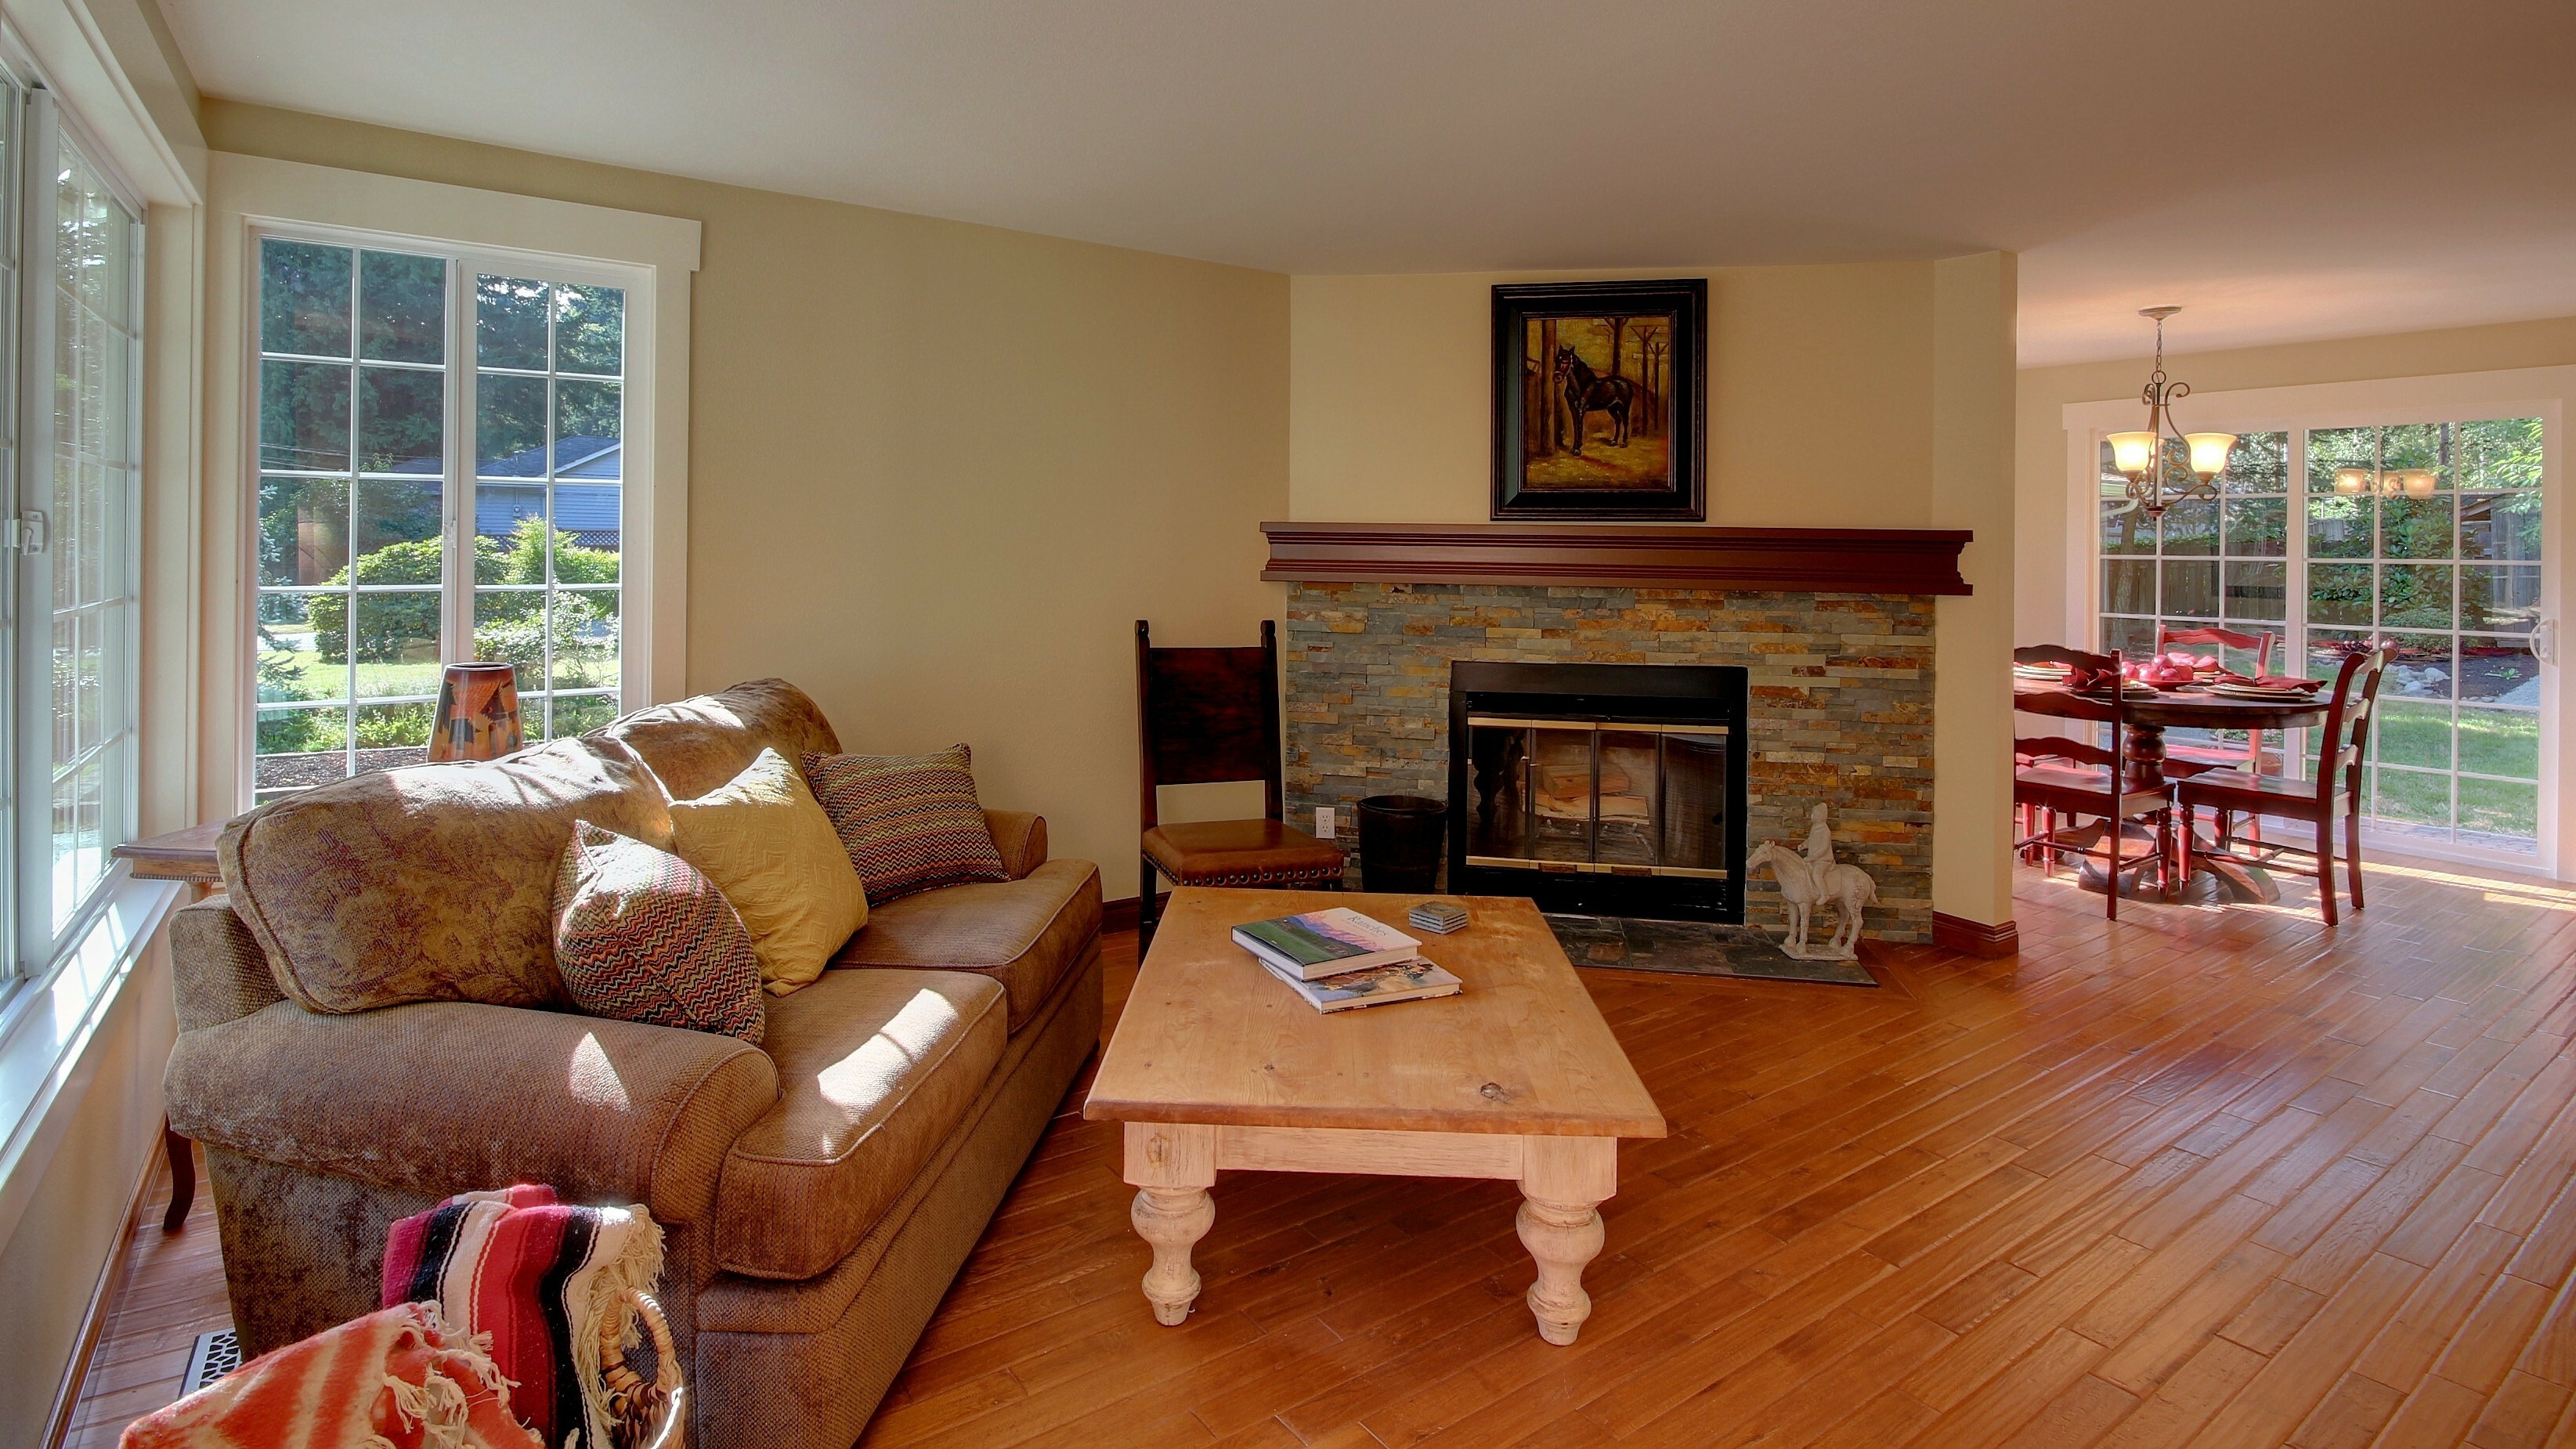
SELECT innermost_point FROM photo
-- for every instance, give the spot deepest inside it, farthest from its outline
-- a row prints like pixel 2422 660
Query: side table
pixel 181 855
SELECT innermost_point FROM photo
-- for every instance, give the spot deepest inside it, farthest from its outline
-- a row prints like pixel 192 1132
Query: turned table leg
pixel 1173 1220
pixel 1562 1178
pixel 1171 1165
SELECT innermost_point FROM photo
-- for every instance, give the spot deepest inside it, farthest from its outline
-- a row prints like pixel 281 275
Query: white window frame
pixel 2457 397
pixel 654 255
pixel 459 480
pixel 40 948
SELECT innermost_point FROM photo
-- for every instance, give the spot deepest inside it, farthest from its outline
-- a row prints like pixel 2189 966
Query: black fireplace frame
pixel 1716 695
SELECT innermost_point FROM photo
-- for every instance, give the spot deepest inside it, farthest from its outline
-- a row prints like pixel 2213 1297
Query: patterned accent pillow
pixel 910 822
pixel 640 935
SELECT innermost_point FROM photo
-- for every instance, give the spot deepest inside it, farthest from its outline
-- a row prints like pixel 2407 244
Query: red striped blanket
pixel 539 1276
pixel 400 1378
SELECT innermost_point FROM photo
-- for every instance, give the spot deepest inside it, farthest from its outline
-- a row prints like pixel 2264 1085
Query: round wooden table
pixel 2145 719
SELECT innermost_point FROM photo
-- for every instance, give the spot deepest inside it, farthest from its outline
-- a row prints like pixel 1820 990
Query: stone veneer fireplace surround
pixel 1840 673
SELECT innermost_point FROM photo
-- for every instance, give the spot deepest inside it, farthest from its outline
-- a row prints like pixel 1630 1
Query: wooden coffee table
pixel 1218 1066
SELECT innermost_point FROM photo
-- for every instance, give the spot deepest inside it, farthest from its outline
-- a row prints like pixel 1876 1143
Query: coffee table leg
pixel 1172 1165
pixel 1562 1179
pixel 1173 1220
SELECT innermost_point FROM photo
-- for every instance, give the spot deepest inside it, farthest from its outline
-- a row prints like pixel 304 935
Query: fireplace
pixel 1609 789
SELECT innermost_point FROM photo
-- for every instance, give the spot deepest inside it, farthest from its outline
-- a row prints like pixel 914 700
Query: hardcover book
pixel 1325 943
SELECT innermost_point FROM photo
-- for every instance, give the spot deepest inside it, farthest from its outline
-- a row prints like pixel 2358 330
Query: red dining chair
pixel 2183 761
pixel 2334 794
pixel 2092 781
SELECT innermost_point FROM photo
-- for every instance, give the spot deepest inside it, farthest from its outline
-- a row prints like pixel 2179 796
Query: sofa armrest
pixel 444 1097
pixel 218 973
pixel 1021 837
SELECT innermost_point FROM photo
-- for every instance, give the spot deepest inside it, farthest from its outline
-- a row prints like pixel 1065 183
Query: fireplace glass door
pixel 1616 797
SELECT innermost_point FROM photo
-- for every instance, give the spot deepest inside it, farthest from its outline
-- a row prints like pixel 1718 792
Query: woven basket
pixel 649 1415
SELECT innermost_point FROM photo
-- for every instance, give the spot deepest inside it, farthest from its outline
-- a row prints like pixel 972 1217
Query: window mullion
pixel 456 642
pixel 32 711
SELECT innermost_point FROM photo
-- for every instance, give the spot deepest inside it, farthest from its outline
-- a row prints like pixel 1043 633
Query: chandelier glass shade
pixel 2158 479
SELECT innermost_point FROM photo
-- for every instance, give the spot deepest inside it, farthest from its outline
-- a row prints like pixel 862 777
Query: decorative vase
pixel 478 713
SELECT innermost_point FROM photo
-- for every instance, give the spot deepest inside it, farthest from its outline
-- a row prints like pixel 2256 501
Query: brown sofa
pixel 818 1191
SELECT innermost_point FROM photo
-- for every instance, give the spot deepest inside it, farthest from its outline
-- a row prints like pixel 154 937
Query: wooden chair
pixel 2335 792
pixel 1208 716
pixel 2183 761
pixel 2095 785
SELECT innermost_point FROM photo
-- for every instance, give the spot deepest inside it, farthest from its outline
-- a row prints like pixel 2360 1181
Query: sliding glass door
pixel 2426 535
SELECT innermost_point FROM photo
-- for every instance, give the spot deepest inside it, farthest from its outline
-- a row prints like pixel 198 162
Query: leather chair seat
pixel 1241 853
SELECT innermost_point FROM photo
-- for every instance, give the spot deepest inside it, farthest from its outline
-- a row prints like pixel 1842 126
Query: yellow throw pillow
pixel 770 848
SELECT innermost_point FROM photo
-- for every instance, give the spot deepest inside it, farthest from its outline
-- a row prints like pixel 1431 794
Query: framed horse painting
pixel 1601 400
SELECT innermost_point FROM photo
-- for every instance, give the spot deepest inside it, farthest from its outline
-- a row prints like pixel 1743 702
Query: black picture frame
pixel 1592 464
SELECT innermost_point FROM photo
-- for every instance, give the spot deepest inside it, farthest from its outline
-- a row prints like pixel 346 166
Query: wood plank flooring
pixel 2199 1177
pixel 174 1290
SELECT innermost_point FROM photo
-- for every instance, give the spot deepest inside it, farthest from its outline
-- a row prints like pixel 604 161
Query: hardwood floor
pixel 2197 1177
pixel 174 1290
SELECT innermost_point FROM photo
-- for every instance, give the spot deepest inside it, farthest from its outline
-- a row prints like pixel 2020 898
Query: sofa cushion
pixel 911 823
pixel 696 745
pixel 435 883
pixel 875 1069
pixel 771 850
pixel 642 935
pixel 1023 933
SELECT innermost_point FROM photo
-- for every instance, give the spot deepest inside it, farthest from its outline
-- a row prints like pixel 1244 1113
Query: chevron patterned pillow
pixel 910 822
pixel 640 935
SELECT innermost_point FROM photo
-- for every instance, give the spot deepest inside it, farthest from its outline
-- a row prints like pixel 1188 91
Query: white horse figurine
pixel 1803 886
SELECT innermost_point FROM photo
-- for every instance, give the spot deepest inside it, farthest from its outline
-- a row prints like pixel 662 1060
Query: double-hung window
pixel 441 450
pixel 71 285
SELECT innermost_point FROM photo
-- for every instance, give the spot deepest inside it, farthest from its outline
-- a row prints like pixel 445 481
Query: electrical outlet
pixel 1323 822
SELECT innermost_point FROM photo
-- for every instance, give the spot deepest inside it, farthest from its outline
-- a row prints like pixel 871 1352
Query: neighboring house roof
pixel 584 458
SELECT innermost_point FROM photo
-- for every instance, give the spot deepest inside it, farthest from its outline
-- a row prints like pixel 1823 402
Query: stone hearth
pixel 1841 702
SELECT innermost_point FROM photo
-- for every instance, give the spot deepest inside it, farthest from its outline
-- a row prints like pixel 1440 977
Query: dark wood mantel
pixel 1822 560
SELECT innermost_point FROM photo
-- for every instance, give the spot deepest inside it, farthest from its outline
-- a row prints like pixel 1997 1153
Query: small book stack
pixel 1339 959
pixel 1438 917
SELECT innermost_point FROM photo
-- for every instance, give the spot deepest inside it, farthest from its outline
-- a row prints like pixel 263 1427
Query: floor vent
pixel 210 1358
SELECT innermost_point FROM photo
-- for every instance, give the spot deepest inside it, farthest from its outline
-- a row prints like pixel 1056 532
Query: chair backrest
pixel 2261 644
pixel 2035 748
pixel 2346 733
pixel 2084 750
pixel 1208 716
pixel 2061 654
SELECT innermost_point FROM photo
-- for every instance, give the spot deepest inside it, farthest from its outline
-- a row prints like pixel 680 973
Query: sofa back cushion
pixel 697 745
pixel 434 883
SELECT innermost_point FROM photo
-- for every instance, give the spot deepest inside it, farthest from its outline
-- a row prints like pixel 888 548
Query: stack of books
pixel 1339 959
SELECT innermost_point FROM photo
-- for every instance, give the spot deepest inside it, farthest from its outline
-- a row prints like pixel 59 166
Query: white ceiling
pixel 2286 169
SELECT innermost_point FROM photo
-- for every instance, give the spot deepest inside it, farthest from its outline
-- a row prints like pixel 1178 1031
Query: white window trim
pixel 652 256
pixel 2541 392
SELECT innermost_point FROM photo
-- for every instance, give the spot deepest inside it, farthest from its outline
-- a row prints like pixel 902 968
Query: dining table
pixel 2144 719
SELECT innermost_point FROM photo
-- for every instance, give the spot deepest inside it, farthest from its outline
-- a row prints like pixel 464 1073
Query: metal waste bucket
pixel 1402 839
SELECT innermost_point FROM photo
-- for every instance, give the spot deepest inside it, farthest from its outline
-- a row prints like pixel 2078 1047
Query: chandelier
pixel 2156 483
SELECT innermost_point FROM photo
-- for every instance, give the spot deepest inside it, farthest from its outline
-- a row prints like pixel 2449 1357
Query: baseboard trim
pixel 1976 938
pixel 1120 914
pixel 111 1281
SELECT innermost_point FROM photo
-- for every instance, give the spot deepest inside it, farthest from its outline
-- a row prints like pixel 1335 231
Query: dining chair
pixel 1209 716
pixel 2182 761
pixel 2091 781
pixel 2335 793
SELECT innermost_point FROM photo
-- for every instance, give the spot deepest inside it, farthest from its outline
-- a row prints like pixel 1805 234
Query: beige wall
pixel 104 1127
pixel 1390 415
pixel 1863 396
pixel 937 471
pixel 2043 490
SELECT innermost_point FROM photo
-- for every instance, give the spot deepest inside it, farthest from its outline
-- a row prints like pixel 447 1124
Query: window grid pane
pixel 2455 753
pixel 95 485
pixel 550 443
pixel 352 549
